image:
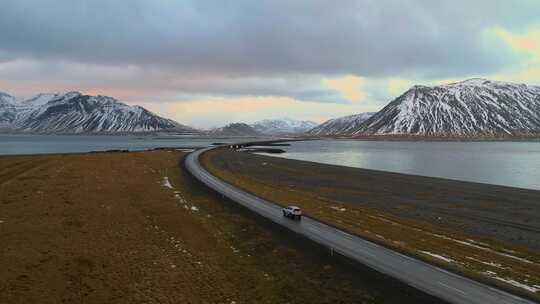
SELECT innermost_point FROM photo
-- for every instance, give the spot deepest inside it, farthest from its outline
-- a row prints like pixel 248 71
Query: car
pixel 292 212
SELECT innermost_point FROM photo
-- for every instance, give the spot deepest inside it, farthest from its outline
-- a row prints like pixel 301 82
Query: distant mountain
pixel 74 112
pixel 8 110
pixel 471 108
pixel 341 125
pixel 475 107
pixel 283 126
pixel 235 129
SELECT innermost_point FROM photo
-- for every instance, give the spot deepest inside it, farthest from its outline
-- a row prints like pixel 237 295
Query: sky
pixel 208 63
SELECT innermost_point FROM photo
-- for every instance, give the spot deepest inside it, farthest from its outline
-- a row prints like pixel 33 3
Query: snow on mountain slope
pixel 341 125
pixel 475 107
pixel 74 112
pixel 41 99
pixel 8 110
pixel 235 129
pixel 7 99
pixel 283 126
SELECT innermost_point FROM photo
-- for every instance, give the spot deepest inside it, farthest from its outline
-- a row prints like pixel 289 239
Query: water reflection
pixel 514 164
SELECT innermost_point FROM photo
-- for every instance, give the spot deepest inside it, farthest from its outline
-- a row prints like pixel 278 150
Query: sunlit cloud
pixel 350 86
pixel 397 86
pixel 526 43
pixel 215 111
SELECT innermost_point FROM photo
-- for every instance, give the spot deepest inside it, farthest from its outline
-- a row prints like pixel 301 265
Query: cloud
pixel 133 82
pixel 368 38
pixel 345 55
pixel 397 86
pixel 527 44
pixel 213 111
pixel 349 86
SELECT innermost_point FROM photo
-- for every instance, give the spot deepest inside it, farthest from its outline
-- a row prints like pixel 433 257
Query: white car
pixel 292 212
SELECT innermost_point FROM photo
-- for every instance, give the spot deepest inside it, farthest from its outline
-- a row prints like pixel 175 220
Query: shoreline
pixel 429 138
pixel 376 171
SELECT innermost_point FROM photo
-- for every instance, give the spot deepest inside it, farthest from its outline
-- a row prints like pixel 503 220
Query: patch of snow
pixel 385 220
pixel 479 243
pixel 484 248
pixel 446 259
pixel 531 288
pixel 497 265
pixel 167 183
pixel 338 208
pixel 194 208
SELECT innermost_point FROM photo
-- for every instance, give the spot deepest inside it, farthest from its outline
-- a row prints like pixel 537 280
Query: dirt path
pixel 133 228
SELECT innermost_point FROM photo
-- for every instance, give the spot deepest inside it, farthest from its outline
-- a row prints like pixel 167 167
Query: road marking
pixel 453 288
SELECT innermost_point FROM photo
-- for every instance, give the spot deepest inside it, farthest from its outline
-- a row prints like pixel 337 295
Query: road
pixel 430 279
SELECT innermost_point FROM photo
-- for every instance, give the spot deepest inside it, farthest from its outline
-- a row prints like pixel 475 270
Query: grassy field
pixel 503 261
pixel 134 228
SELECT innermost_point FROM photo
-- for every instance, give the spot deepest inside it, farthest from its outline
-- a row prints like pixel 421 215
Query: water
pixel 40 144
pixel 515 164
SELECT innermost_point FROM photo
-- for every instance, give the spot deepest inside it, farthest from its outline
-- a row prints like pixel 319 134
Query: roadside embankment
pixel 486 232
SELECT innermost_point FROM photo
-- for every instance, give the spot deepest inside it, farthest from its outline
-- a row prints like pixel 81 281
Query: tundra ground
pixel 134 228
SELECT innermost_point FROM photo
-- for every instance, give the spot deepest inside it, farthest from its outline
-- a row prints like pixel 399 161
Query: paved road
pixel 423 276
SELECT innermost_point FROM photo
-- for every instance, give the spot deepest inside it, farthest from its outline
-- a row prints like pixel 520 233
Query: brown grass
pixel 102 228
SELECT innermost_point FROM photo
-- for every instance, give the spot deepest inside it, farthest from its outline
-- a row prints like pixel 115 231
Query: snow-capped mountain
pixel 235 129
pixel 341 125
pixel 283 126
pixel 475 107
pixel 8 110
pixel 74 112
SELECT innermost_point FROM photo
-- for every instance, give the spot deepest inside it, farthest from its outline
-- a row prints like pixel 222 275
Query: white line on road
pixel 453 288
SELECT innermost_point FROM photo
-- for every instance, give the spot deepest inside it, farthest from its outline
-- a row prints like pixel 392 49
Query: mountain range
pixel 267 127
pixel 74 112
pixel 341 125
pixel 283 126
pixel 234 129
pixel 470 108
